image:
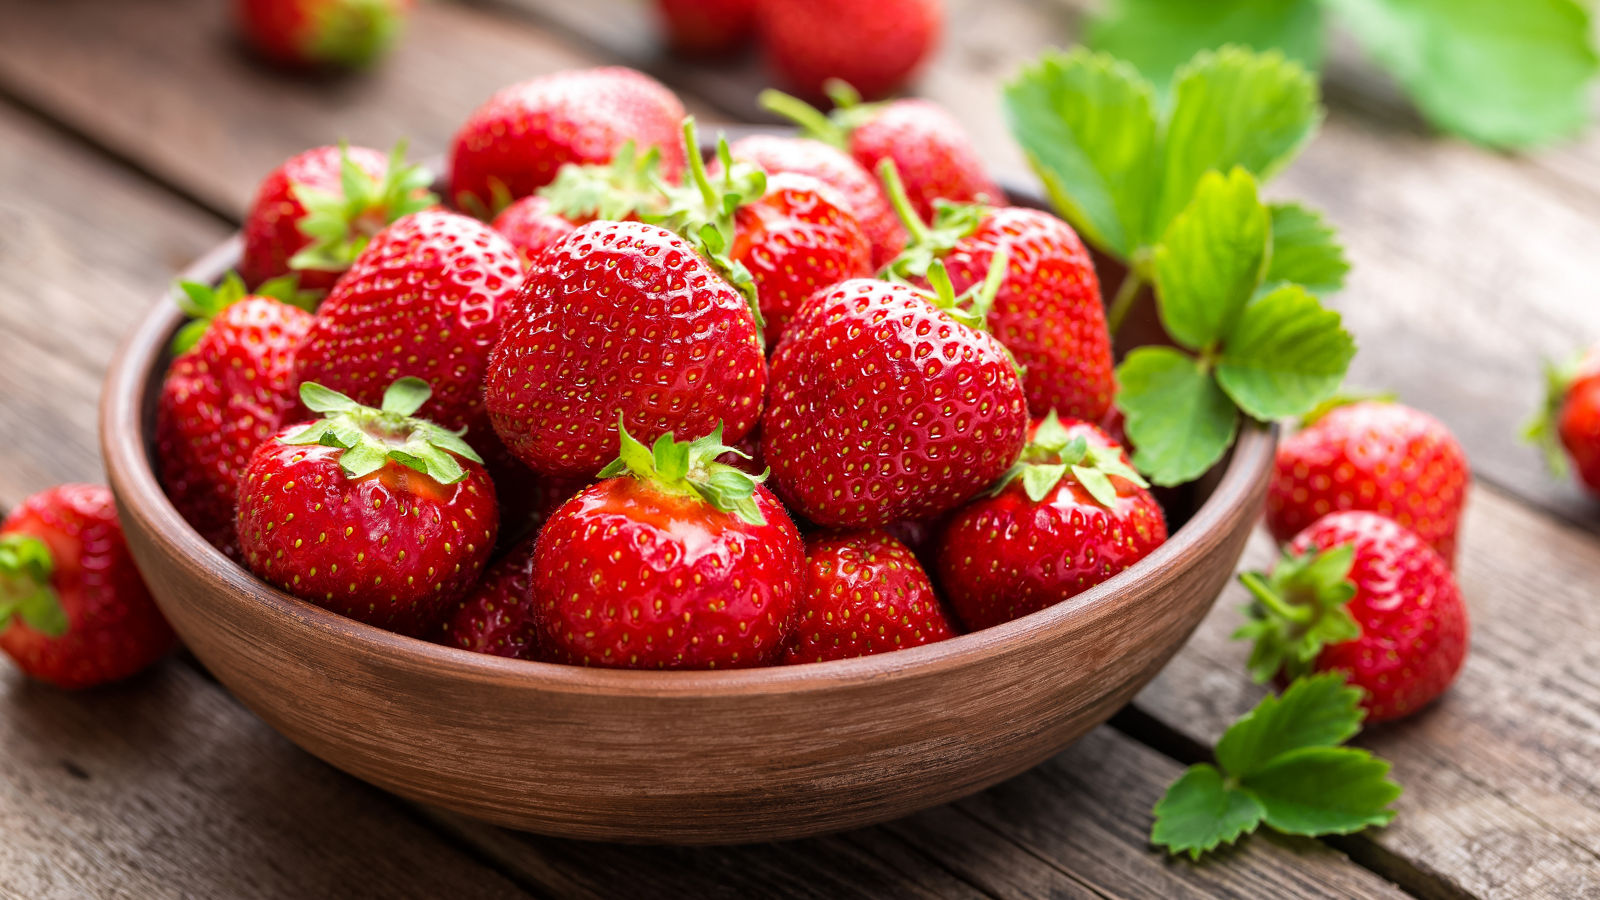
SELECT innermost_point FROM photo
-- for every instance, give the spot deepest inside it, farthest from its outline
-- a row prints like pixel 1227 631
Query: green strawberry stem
pixel 1127 294
pixel 26 567
pixel 972 307
pixel 814 122
pixel 1300 608
pixel 697 166
pixel 952 222
pixel 895 189
pixel 690 469
pixel 372 438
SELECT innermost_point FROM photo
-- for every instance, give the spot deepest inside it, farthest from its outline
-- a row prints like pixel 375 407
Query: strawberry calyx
pixel 626 186
pixel 1543 431
pixel 1300 608
pixel 834 128
pixel 927 244
pixel 1346 398
pixel 341 223
pixel 26 567
pixel 971 307
pixel 1053 451
pixel 690 469
pixel 204 302
pixel 353 33
pixel 372 438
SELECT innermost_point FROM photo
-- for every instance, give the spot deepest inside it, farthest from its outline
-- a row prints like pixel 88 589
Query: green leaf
pixel 406 395
pixel 1320 711
pixel 1234 108
pixel 1201 811
pixel 1040 479
pixel 1287 354
pixel 1323 790
pixel 1211 259
pixel 1178 418
pixel 1299 609
pixel 1087 123
pixel 1507 73
pixel 1159 36
pixel 1543 430
pixel 1305 251
pixel 325 400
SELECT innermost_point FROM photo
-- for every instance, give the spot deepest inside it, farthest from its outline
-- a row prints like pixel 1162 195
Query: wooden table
pixel 131 137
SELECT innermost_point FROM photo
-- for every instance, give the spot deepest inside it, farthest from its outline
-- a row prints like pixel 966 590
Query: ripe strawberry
pixel 370 513
pixel 427 298
pixel 707 27
pixel 1571 418
pixel 935 158
pixel 622 318
pixel 230 387
pixel 1070 514
pixel 1047 311
pixel 74 611
pixel 890 403
pixel 865 593
pixel 859 189
pixel 1359 594
pixel 675 561
pixel 873 46
pixel 498 615
pixel 581 194
pixel 311 33
pixel 516 142
pixel 315 213
pixel 1377 456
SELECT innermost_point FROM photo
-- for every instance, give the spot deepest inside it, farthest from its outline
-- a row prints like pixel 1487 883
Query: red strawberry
pixel 1070 514
pixel 347 33
pixel 370 513
pixel 889 403
pixel 674 561
pixel 579 195
pixel 1359 594
pixel 865 593
pixel 1377 456
pixel 73 610
pixel 859 189
pixel 315 213
pixel 622 318
pixel 516 142
pixel 934 156
pixel 1571 418
pixel 230 387
pixel 707 27
pixel 873 46
pixel 428 299
pixel 498 616
pixel 1047 311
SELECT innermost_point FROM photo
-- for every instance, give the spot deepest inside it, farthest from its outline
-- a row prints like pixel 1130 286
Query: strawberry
pixel 315 213
pixel 707 27
pixel 1359 594
pixel 74 611
pixel 622 318
pixel 874 46
pixel 674 561
pixel 862 195
pixel 517 141
pixel 1070 514
pixel 427 298
pixel 889 402
pixel 1047 311
pixel 370 513
pixel 1377 456
pixel 498 615
pixel 1571 418
pixel 865 593
pixel 935 158
pixel 229 388
pixel 581 194
pixel 314 33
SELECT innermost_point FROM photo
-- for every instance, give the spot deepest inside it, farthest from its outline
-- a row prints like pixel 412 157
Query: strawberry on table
pixel 1570 420
pixel 875 46
pixel 580 194
pixel 1070 514
pixel 707 27
pixel 310 33
pixel 498 615
pixel 865 593
pixel 315 213
pixel 74 611
pixel 1358 594
pixel 371 513
pixel 231 387
pixel 673 561
pixel 1372 455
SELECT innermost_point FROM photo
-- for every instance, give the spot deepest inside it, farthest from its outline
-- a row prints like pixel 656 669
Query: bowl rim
pixel 131 471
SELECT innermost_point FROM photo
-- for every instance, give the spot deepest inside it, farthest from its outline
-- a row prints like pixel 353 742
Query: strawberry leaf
pixel 371 438
pixel 1287 354
pixel 1305 251
pixel 1297 610
pixel 26 591
pixel 1179 420
pixel 1201 811
pixel 1159 36
pixel 1211 259
pixel 1320 711
pixel 1323 790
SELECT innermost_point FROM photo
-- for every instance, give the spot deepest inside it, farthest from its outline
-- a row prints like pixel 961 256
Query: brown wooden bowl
pixel 668 757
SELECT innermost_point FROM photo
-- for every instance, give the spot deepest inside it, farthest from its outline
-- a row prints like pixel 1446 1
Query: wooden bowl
pixel 668 757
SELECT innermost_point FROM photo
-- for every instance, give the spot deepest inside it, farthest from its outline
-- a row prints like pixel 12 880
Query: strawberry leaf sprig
pixel 1283 764
pixel 628 185
pixel 203 302
pixel 1298 609
pixel 371 438
pixel 690 468
pixel 1053 451
pixel 26 567
pixel 341 223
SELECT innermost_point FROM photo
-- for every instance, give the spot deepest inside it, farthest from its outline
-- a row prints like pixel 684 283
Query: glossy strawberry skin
pixel 865 593
pixel 114 628
pixel 1578 421
pixel 1048 311
pixel 1005 556
pixel 426 298
pixel 1413 622
pixel 531 227
pixel 796 240
pixel 935 158
pixel 626 576
pixel 220 400
pixel 882 407
pixel 622 317
pixel 1381 457
pixel 393 549
pixel 859 189
pixel 498 615
pixel 874 46
pixel 272 226
pixel 528 131
pixel 707 27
